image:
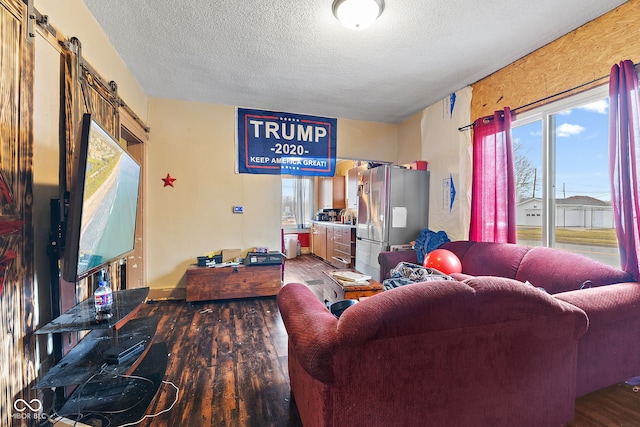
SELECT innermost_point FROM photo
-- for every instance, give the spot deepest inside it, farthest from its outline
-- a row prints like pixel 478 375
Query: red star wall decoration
pixel 168 181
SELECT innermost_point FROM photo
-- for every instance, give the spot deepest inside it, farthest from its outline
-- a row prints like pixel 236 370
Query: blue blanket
pixel 429 241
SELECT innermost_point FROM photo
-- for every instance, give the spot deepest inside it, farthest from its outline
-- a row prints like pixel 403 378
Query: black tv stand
pixel 107 365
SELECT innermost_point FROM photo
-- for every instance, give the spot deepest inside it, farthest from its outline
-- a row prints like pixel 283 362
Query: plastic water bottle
pixel 103 301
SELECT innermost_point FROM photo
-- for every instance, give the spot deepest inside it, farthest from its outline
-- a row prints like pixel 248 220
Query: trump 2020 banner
pixel 271 142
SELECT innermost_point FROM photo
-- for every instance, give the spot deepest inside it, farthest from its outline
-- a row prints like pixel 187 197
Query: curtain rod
pixel 469 126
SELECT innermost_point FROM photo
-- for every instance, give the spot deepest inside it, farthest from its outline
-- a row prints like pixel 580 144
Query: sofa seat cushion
pixel 608 352
pixel 617 303
pixel 461 276
pixel 560 271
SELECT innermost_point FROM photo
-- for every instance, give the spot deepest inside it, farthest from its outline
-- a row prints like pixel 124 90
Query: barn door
pixel 17 349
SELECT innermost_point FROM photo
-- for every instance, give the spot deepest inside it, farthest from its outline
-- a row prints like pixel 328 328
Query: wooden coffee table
pixel 336 289
pixel 214 283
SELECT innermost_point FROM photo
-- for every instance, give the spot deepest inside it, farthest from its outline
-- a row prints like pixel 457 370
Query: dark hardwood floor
pixel 229 361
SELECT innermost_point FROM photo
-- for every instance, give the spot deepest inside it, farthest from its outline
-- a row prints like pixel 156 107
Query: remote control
pixel 123 351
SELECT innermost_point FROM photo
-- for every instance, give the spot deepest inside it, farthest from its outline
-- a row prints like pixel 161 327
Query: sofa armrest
pixel 311 329
pixel 606 304
pixel 390 259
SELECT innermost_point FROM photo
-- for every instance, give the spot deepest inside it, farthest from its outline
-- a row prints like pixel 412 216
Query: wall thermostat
pixel 238 209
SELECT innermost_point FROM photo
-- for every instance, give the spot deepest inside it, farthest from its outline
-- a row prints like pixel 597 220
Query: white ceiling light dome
pixel 357 14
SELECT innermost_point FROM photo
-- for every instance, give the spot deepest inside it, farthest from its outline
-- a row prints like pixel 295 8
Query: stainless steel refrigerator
pixel 393 207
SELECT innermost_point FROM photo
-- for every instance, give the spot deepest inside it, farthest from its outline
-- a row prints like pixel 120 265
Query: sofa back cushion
pixel 556 271
pixel 488 258
pixel 458 247
pixel 445 305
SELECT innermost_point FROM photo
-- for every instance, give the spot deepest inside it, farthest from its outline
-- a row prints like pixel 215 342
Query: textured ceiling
pixel 294 56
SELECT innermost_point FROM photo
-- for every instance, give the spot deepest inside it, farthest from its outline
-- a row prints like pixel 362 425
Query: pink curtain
pixel 493 195
pixel 624 140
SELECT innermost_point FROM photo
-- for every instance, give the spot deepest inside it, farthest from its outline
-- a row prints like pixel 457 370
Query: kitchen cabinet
pixel 331 192
pixel 334 243
pixel 344 247
pixel 330 242
pixel 319 240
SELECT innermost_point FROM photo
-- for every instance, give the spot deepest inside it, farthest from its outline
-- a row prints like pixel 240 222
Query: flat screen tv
pixel 103 203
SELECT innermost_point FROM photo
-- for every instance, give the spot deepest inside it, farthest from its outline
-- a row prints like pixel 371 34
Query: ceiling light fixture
pixel 357 14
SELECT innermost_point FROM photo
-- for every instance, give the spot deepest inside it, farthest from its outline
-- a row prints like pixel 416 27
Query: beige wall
pixel 409 140
pixel 367 140
pixel 195 143
pixel 73 18
pixel 46 164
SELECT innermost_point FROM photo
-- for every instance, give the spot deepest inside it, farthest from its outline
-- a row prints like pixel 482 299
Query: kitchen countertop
pixel 334 223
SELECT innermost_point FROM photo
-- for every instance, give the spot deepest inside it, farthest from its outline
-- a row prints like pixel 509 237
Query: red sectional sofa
pixel 486 351
pixel 609 352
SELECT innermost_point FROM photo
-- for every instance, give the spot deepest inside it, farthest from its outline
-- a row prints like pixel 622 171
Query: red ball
pixel 443 260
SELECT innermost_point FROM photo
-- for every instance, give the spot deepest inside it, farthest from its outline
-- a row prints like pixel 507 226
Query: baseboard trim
pixel 167 294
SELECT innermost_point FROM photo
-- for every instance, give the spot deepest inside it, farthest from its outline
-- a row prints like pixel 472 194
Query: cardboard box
pixel 231 254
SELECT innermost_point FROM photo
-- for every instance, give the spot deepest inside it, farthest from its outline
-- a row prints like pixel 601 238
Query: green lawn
pixel 580 236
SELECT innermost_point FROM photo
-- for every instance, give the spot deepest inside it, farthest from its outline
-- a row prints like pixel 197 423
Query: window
pixel 562 177
pixel 297 202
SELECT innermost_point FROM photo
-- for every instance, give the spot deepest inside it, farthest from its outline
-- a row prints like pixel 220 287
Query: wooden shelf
pixel 117 400
pixel 88 357
pixel 83 316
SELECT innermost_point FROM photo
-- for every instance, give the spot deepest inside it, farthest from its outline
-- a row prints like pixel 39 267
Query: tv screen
pixel 103 203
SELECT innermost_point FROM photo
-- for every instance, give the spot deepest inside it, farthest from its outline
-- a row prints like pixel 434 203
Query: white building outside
pixel 575 211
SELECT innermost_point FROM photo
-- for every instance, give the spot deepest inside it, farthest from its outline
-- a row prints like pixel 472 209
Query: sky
pixel 582 167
